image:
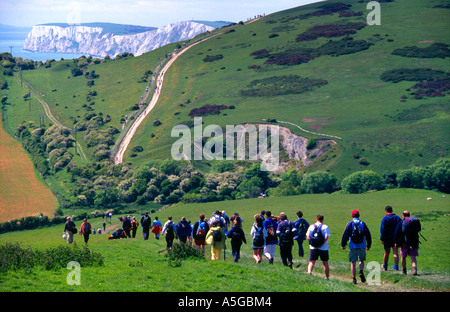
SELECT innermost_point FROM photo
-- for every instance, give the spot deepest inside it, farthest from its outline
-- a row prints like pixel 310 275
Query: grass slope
pixel 138 265
pixel 355 104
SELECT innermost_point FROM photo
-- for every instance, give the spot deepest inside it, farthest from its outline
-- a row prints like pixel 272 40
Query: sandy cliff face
pixel 93 41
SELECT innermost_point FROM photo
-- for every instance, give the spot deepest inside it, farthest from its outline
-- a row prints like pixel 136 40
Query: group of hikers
pixel 269 231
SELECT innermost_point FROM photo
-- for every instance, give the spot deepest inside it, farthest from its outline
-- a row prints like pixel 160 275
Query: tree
pixel 361 182
pixel 318 182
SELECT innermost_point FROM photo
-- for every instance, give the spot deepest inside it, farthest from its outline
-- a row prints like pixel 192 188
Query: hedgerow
pixel 14 257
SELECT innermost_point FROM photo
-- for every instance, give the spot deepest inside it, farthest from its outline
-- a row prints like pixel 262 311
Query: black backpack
pixel 357 233
pixel 411 228
pixel 317 238
pixel 146 221
pixel 286 234
pixel 258 240
pixel 170 229
pixel 217 237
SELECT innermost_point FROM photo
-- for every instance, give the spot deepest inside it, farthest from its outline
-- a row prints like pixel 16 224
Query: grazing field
pixel 22 192
pixel 138 265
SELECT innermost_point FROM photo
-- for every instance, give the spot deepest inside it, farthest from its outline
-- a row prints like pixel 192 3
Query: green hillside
pixel 370 115
pixel 318 66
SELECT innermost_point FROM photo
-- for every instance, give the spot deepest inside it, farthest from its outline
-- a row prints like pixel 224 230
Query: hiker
pixel 104 226
pixel 227 220
pixel 387 236
pixel 156 228
pixel 69 229
pixel 134 227
pixel 317 236
pixel 236 216
pixel 407 238
pixel 126 225
pixel 286 232
pixel 118 234
pixel 171 229
pixel 184 230
pixel 237 236
pixel 271 240
pixel 360 240
pixel 258 233
pixel 191 229
pixel 301 225
pixel 146 221
pixel 262 214
pixel 201 228
pixel 218 216
pixel 216 238
pixel 85 229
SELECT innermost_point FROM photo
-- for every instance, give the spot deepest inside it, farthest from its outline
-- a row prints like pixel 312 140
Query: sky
pixel 153 13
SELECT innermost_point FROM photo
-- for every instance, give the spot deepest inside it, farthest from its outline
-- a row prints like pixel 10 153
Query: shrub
pixel 318 182
pixel 281 85
pixel 413 74
pixel 212 58
pixel 330 31
pixel 361 182
pixel 208 110
pixel 180 252
pixel 439 50
pixel 14 257
pixel 284 189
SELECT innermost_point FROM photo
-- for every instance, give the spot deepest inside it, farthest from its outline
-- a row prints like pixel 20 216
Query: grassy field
pixel 138 265
pixel 22 191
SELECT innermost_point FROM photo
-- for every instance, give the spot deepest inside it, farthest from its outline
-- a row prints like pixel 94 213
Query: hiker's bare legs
pixel 326 268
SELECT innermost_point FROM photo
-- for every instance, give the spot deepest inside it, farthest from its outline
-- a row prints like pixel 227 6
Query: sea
pixel 13 43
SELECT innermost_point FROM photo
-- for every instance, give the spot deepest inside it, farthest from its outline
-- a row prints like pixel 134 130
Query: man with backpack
pixel 216 238
pixel 85 229
pixel 286 232
pixel 271 240
pixel 134 227
pixel 170 229
pixel 302 226
pixel 184 230
pixel 156 228
pixel 126 225
pixel 407 238
pixel 360 240
pixel 146 221
pixel 387 236
pixel 70 229
pixel 237 237
pixel 317 236
pixel 201 228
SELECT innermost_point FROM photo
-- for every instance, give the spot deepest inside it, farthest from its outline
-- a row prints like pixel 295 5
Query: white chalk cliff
pixel 94 41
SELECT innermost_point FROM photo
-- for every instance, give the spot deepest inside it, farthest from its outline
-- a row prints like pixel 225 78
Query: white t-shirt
pixel 325 232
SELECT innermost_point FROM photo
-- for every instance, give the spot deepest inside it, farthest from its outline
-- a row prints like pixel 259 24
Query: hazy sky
pixel 140 12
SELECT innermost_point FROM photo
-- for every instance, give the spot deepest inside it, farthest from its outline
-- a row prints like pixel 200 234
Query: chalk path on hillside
pixel 118 158
pixel 307 131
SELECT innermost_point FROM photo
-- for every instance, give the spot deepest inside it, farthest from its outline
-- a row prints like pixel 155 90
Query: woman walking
pixel 258 234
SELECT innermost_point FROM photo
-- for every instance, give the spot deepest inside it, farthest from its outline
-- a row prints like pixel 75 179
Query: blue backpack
pixel 201 230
